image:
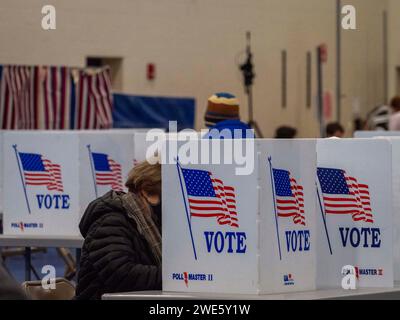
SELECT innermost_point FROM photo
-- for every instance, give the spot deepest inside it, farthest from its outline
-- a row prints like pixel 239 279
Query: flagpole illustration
pixel 323 219
pixel 186 209
pixel 276 215
pixel 92 167
pixel 22 178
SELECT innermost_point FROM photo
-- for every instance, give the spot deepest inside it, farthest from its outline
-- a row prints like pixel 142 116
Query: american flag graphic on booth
pixel 209 197
pixel 343 194
pixel 39 171
pixel 108 171
pixel 289 196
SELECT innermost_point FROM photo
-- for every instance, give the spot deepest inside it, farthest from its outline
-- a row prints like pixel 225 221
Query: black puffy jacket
pixel 115 256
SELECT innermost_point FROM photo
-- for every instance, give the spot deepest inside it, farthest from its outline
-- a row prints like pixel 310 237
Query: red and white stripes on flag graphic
pixel 51 177
pixel 292 206
pixel 228 202
pixel 222 206
pixel 39 97
pixel 93 100
pixel 113 177
pixel 357 202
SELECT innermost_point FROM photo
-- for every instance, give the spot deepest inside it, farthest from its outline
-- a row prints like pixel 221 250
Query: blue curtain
pixel 152 112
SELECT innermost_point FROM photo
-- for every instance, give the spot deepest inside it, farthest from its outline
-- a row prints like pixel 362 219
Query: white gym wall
pixel 194 45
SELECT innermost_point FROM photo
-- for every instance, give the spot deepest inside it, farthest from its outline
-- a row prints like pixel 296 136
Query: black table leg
pixel 27 264
pixel 35 273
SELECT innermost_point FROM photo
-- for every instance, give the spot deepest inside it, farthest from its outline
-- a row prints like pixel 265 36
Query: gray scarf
pixel 139 210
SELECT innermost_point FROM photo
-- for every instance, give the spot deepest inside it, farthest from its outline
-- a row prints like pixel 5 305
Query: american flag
pixel 289 196
pixel 49 97
pixel 209 198
pixel 39 171
pixel 342 194
pixel 108 171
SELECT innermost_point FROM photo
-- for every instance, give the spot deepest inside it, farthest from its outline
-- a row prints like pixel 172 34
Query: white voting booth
pixel 354 181
pixel 376 133
pixel 284 226
pixel 51 176
pixel 393 137
pixel 230 233
pixel 395 143
pixel 141 144
pixel 41 183
pixel 150 143
pixel 105 161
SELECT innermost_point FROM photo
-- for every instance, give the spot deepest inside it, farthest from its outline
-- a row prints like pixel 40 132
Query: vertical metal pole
pixel 250 103
pixel 28 264
pixel 308 80
pixel 320 90
pixel 284 78
pixel 385 58
pixel 338 59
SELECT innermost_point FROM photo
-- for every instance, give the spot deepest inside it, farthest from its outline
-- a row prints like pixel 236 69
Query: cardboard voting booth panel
pixel 287 212
pixel 208 254
pixel 220 231
pixel 140 139
pixel 377 133
pixel 92 163
pixel 41 183
pixel 150 142
pixel 395 143
pixel 141 143
pixel 105 161
pixel 354 181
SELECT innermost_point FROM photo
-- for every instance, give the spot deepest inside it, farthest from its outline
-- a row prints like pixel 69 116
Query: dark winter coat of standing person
pixel 122 231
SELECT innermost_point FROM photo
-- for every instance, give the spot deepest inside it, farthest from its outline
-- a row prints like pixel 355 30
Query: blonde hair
pixel 145 177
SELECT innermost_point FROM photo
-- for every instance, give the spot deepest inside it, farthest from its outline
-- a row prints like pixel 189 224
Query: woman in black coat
pixel 122 248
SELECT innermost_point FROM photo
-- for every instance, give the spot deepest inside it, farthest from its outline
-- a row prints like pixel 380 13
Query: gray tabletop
pixel 364 293
pixel 40 241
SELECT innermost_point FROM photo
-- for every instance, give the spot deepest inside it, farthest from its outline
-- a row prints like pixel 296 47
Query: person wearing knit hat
pixel 221 106
pixel 223 113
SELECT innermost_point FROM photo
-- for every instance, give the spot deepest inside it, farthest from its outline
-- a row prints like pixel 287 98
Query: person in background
pixel 122 232
pixel 394 120
pixel 222 115
pixel 285 132
pixel 378 119
pixel 334 129
pixel 9 288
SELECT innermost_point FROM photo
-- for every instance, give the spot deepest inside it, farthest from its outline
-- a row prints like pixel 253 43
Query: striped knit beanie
pixel 221 106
